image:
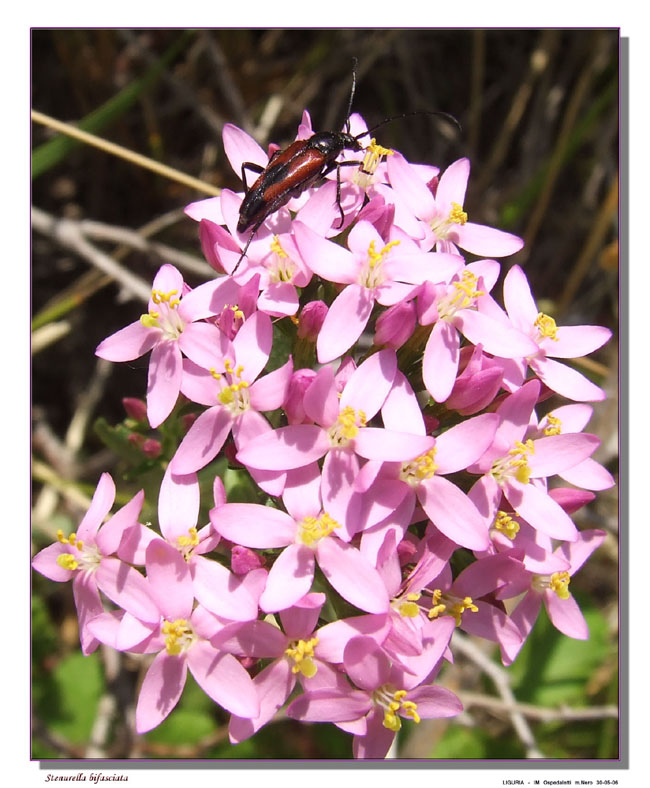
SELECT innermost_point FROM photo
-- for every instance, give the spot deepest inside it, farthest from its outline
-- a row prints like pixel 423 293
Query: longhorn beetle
pixel 289 172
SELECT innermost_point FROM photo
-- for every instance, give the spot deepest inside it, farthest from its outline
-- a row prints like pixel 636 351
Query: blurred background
pixel 540 123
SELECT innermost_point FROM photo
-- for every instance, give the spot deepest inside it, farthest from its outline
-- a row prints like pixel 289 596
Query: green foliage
pixel 75 687
pixel 552 669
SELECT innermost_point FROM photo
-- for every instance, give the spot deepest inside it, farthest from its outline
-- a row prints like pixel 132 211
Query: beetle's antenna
pixel 409 115
pixel 354 87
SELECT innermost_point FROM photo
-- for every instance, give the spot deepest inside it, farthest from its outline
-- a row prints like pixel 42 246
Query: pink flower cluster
pixel 410 434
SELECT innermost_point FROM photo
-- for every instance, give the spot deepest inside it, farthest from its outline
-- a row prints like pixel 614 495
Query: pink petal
pixel 100 506
pixel 567 381
pixel 401 408
pixel 374 443
pixel 330 705
pixel 453 513
pixel 464 444
pixel 370 383
pixel 347 317
pixel 126 587
pixel 576 341
pixel 160 691
pixel 273 685
pixel 285 448
pixel 252 525
pixel 589 474
pixel 178 504
pixel 205 209
pixel 518 299
pixel 223 679
pixel 351 574
pixel 163 387
pixel 565 615
pixel 89 605
pixel 204 344
pixel 290 578
pixel 558 453
pixel 579 551
pixel 253 344
pixel 170 582
pixel 541 511
pixel 435 702
pixel 221 592
pixel 128 343
pixel 440 361
pixel 203 441
pixel 240 147
pixel 495 337
pixel 325 258
pixel 453 184
pixel 413 193
pixel 487 241
pixel 270 392
pixel 111 534
pixel 333 638
pixel 366 664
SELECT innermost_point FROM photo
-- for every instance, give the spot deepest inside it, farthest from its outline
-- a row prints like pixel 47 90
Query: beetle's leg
pixel 250 165
pixel 338 166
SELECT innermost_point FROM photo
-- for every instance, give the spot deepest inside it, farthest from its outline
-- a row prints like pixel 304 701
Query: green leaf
pixel 79 684
pixel 55 150
pixel 552 668
pixel 183 727
pixel 460 742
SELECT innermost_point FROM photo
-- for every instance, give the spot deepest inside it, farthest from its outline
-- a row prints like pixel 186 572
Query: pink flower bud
pixel 477 385
pixel 395 325
pixel 209 234
pixel 571 499
pixel 311 320
pixel 136 439
pixel 188 419
pixel 243 560
pixel 152 448
pixel 135 408
pixel 299 383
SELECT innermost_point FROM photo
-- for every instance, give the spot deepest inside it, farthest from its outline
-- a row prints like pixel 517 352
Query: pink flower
pixel 340 430
pixel 168 623
pixel 518 470
pixel 384 694
pixel 455 309
pixel 442 217
pixel 173 326
pixel 551 588
pixel 552 341
pixel 235 398
pixel 85 557
pixel 372 271
pixel 307 534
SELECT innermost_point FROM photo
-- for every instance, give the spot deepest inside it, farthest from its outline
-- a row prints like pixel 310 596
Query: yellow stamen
pixel 375 258
pixel 547 327
pixel 373 156
pixel 422 467
pixel 457 215
pixel 515 463
pixel 458 606
pixel 178 635
pixel 506 524
pixel 560 584
pixel 313 529
pixel 554 425
pixel 302 653
pixel 67 561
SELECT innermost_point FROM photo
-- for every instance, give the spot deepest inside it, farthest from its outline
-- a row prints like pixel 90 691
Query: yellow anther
pixel 349 422
pixel 276 247
pixel 547 327
pixel 515 463
pixel 560 584
pixel 302 653
pixel 236 311
pixel 189 541
pixel 150 320
pixel 216 375
pixel 554 425
pixel 460 607
pixel 67 561
pixel 409 709
pixel 392 707
pixel 422 467
pixel 178 635
pixel 457 215
pixel 375 258
pixel 312 529
pixel 373 156
pixel 506 524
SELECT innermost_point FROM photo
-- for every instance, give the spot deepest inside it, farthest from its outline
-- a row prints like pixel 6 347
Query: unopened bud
pixel 395 325
pixel 300 381
pixel 477 385
pixel 311 320
pixel 152 448
pixel 243 560
pixel 135 408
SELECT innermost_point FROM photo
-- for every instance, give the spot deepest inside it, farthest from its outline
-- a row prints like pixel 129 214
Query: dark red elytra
pixel 291 171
